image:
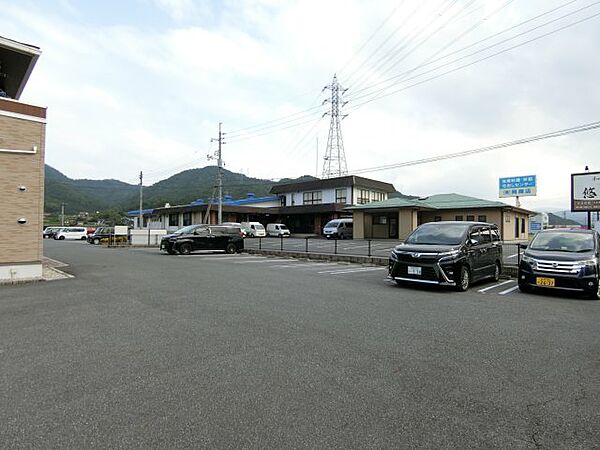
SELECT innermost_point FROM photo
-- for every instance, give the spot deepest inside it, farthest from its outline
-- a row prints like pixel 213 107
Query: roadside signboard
pixel 518 186
pixel 534 227
pixel 585 191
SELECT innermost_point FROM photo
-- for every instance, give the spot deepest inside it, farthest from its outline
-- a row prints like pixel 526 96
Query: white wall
pixel 20 272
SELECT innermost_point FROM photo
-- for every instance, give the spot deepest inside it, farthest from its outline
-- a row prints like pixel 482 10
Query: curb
pixel 375 260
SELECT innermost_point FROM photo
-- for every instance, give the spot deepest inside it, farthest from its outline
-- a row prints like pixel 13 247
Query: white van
pixel 278 230
pixel 338 229
pixel 73 233
pixel 254 229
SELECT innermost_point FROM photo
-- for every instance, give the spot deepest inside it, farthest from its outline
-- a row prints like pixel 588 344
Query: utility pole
pixel 140 216
pixel 334 164
pixel 219 156
pixel 62 214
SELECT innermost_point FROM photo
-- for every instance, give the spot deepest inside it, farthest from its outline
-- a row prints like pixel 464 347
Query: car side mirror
pixel 473 242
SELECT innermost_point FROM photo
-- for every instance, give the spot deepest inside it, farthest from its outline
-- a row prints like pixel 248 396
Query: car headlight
pixel 529 260
pixel 450 253
pixel 393 256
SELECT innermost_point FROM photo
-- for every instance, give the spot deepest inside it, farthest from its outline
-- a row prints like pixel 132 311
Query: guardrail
pixel 364 247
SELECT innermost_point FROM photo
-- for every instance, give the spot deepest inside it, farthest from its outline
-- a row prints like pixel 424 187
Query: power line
pixel 539 137
pixel 377 97
pixel 354 95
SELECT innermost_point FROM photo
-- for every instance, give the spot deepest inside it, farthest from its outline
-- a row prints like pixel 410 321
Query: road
pixel 143 350
pixel 374 247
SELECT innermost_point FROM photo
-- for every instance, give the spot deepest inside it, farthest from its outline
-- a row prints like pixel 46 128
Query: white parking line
pixel 364 269
pixel 221 257
pixel 514 256
pixel 495 285
pixel 508 291
pixel 306 265
pixel 268 260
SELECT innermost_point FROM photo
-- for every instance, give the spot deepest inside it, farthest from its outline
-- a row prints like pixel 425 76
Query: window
pixel 174 220
pixel 283 200
pixel 311 198
pixel 486 236
pixel 437 219
pixel 470 218
pixel 187 219
pixel 363 196
pixel 458 218
pixel 481 218
pixel 495 235
pixel 522 226
pixel 475 236
pixel 378 196
pixel 340 195
pixel 380 220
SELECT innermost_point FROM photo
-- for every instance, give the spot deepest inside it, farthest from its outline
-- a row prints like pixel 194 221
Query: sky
pixel 143 84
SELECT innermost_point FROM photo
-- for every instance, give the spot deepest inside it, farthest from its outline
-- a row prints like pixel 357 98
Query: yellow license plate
pixel 546 282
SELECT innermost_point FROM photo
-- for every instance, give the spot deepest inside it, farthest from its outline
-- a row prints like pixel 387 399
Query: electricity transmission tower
pixel 334 164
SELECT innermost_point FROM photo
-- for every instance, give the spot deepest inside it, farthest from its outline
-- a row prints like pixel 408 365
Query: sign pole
pixel 589 220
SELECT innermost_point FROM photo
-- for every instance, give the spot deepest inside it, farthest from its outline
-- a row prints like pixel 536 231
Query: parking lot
pixel 381 248
pixel 147 350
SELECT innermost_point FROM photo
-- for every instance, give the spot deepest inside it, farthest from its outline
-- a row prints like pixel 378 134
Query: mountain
pixel 579 217
pixel 553 219
pixel 181 188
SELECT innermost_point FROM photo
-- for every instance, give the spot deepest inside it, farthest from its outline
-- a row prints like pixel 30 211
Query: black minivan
pixel 448 254
pixel 203 237
pixel 562 259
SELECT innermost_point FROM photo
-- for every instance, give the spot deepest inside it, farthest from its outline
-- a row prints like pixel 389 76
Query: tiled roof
pixel 436 202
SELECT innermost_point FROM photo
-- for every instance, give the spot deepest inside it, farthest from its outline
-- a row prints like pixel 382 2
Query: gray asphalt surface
pixel 381 247
pixel 143 350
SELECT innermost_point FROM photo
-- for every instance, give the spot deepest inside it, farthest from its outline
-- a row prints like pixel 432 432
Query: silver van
pixel 278 230
pixel 338 229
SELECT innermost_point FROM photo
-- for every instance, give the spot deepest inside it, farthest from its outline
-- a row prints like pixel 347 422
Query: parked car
pixel 448 254
pixel 338 229
pixel 104 235
pixel 71 233
pixel 203 237
pixel 254 229
pixel 49 232
pixel 237 225
pixel 278 230
pixel 564 260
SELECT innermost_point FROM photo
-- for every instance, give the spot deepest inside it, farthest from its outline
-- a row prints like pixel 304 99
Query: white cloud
pixel 151 96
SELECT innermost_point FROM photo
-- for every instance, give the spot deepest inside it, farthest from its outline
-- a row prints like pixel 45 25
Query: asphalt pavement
pixel 144 350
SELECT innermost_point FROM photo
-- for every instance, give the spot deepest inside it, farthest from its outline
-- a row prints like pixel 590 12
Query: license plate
pixel 546 282
pixel 412 270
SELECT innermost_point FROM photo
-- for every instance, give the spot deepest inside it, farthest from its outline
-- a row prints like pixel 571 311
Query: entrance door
pixel 393 233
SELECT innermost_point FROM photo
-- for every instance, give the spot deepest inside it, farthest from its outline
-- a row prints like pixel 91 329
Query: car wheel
pixel 96 241
pixel 185 249
pixel 497 271
pixel 464 280
pixel 61 238
pixel 251 235
pixel 230 249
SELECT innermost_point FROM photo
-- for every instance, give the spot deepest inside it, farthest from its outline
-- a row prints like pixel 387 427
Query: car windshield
pixel 186 230
pixel 332 224
pixel 563 242
pixel 438 234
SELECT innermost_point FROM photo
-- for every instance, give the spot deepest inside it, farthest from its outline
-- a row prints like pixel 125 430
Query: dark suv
pixel 562 259
pixel 203 237
pixel 448 254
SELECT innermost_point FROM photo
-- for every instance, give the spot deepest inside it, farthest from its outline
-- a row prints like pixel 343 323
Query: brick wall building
pixel 22 138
